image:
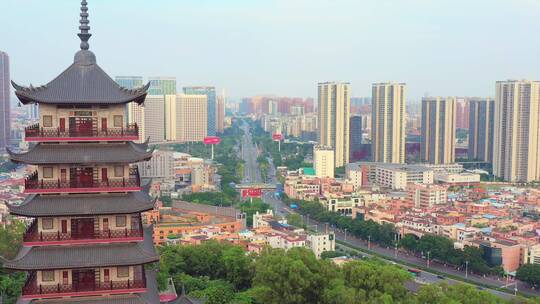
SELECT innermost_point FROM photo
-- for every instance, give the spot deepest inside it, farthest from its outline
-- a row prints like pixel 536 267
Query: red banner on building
pixel 212 140
pixel 252 192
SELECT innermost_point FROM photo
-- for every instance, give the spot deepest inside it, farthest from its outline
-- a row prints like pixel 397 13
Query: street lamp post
pixel 345 238
pixel 428 253
pixel 395 246
pixel 466 269
pixel 369 242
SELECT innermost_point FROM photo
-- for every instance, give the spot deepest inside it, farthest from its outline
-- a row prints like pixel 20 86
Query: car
pixel 441 277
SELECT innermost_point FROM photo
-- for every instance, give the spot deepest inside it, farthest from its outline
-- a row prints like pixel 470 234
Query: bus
pixel 415 272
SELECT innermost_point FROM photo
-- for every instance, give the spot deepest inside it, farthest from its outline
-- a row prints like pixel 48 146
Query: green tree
pixel 295 276
pixel 217 292
pixel 529 273
pixel 373 281
pixel 330 254
pixel 10 243
pixel 409 242
pixel 11 239
pixel 454 294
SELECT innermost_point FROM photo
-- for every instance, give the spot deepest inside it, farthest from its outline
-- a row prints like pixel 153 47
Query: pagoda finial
pixel 84 27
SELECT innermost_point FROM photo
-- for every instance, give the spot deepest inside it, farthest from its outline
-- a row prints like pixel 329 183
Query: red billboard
pixel 252 192
pixel 277 136
pixel 212 140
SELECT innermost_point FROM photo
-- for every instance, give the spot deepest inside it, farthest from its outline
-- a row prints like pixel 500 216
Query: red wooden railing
pixel 36 132
pixel 31 288
pixel 32 182
pixel 33 235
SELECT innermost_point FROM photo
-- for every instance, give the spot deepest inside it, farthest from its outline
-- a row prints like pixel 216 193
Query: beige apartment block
pixel 388 122
pixel 334 107
pixel 516 150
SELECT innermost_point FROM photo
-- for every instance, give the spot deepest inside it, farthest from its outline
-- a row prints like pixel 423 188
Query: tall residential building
pixel 438 130
pixel 334 106
pixel 150 118
pixel 192 117
pixel 323 161
pixel 388 122
pixel 220 114
pixel 355 134
pixel 5 121
pixel 162 86
pixel 462 113
pixel 129 82
pixel 87 242
pixel 481 129
pixel 172 118
pixel 210 93
pixel 516 149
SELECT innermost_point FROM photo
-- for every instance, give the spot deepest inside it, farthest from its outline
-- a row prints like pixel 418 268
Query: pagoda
pixel 86 242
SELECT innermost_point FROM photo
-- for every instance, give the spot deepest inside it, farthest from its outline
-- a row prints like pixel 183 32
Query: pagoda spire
pixel 84 27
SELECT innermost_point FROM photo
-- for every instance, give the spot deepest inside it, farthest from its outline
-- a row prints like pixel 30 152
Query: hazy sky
pixel 284 47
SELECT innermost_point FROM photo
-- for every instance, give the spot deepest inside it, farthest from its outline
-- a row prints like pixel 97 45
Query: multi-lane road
pixel 252 175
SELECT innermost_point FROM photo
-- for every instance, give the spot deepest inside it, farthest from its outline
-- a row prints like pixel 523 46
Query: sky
pixel 284 47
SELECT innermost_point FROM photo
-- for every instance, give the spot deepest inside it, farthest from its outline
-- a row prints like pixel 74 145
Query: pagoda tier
pixel 150 295
pixel 83 179
pixel 85 256
pixel 83 153
pixel 58 134
pixel 83 204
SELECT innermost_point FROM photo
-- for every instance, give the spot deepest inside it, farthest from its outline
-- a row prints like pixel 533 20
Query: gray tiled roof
pixel 83 82
pixel 83 204
pixel 83 256
pixel 78 153
pixel 151 296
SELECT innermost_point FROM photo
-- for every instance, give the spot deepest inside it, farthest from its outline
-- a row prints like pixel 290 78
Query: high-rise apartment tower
pixel 438 130
pixel 516 152
pixel 481 129
pixel 388 122
pixel 334 106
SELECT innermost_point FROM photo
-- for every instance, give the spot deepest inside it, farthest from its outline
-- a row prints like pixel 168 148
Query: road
pixel 252 174
pixel 248 150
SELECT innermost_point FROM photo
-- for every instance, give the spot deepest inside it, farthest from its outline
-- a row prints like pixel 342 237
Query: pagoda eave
pixel 83 153
pixel 83 205
pixel 83 256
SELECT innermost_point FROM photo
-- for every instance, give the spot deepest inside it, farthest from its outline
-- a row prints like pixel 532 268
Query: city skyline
pixel 247 55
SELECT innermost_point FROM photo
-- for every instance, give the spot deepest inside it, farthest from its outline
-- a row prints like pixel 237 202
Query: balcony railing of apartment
pixel 32 289
pixel 32 235
pixel 33 184
pixel 35 132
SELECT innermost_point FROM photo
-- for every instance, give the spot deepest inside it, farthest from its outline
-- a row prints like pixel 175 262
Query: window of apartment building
pixel 47 223
pixel 47 172
pixel 119 171
pixel 117 121
pixel 121 221
pixel 122 272
pixel 47 275
pixel 47 121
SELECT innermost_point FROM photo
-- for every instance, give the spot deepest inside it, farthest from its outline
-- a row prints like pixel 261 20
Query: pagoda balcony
pixel 83 184
pixel 33 290
pixel 37 133
pixel 33 237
